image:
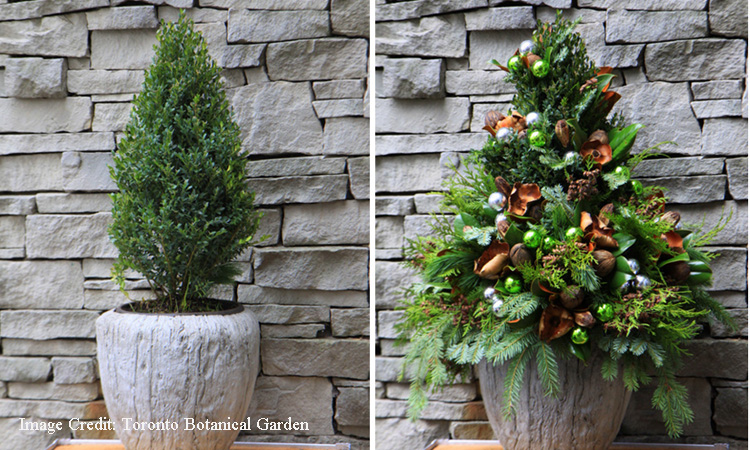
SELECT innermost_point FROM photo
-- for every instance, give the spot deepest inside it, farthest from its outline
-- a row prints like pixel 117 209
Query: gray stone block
pixel 394 206
pixel 111 116
pixel 24 369
pixel 666 5
pixel 315 189
pixel 438 36
pixel 476 82
pixel 719 89
pixel 307 331
pixel 387 323
pixel 388 254
pixel 51 143
pixel 728 18
pixel 388 347
pixel 317 59
pixel 409 78
pixel 35 9
pixel 731 299
pixel 408 173
pixel 122 18
pixel 268 130
pixel 284 314
pixel 71 114
pixel 308 165
pixel 642 419
pixel 719 330
pixel 353 411
pixel 56 284
pixel 683 166
pixel 325 109
pixel 548 14
pixel 35 77
pixel 730 410
pixel 398 433
pixel 302 398
pixel 51 347
pixel 625 26
pixel 724 137
pixel 51 391
pixel 698 59
pixel 427 203
pixel 346 358
pixel 479 112
pixel 433 410
pixel 326 90
pixel 472 430
pixel 709 109
pixel 17 205
pixel 87 172
pixel 73 203
pixel 737 176
pixel 346 136
pixel 65 35
pixel 418 226
pixel 415 143
pixel 329 268
pixel 709 215
pixel 252 26
pixel 485 46
pixel 31 173
pixel 267 4
pixel 52 409
pixel 609 55
pixel 449 115
pixel 391 278
pixel 696 189
pixel 252 294
pixel 507 18
pixel 345 222
pixel 674 116
pixel 720 358
pixel 454 393
pixel 48 324
pixel 12 231
pixel 729 269
pixel 350 17
pixel 73 370
pixel 102 300
pixel 389 232
pixel 59 236
pixel 199 15
pixel 85 82
pixel 122 49
pixel 350 322
pixel 359 177
pixel 415 9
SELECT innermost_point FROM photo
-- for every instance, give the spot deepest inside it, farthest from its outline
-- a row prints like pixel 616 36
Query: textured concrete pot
pixel 168 369
pixel 586 415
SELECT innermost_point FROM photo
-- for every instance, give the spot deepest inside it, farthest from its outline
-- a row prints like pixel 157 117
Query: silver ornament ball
pixel 642 282
pixel 497 306
pixel 489 293
pixel 626 286
pixel 532 118
pixel 634 265
pixel 526 46
pixel 502 134
pixel 500 218
pixel 496 201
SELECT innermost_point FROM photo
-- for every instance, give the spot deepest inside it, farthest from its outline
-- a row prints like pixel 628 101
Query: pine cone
pixel 584 188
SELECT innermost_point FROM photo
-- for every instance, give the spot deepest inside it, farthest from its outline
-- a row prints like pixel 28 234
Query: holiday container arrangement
pixel 562 279
pixel 181 216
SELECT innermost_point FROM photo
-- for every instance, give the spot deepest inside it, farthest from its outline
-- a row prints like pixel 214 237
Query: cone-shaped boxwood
pixel 183 211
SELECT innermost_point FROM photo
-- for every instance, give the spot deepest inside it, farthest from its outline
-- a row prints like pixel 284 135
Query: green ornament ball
pixel 513 284
pixel 573 234
pixel 537 138
pixel 532 239
pixel 605 312
pixel 515 63
pixel 540 69
pixel 637 187
pixel 548 244
pixel 622 171
pixel 579 336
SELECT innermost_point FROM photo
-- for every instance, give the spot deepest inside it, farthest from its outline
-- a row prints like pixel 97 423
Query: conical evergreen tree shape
pixel 183 211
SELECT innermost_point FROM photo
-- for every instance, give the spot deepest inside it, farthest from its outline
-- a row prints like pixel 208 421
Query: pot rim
pixel 235 309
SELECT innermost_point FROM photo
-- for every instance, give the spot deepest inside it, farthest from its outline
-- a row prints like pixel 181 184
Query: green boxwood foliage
pixel 183 211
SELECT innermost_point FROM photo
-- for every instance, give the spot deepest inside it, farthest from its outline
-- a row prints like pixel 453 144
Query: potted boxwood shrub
pixel 181 216
pixel 563 281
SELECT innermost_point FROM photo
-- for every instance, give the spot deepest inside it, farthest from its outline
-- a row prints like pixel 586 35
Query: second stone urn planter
pixel 586 415
pixel 167 378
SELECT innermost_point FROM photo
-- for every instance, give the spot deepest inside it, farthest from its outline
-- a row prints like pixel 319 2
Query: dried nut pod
pixel 572 297
pixel 536 213
pixel 676 273
pixel 584 319
pixel 605 263
pixel 532 58
pixel 605 213
pixel 599 135
pixel 671 217
pixel 520 254
pixel 562 132
pixel 502 227
pixel 492 118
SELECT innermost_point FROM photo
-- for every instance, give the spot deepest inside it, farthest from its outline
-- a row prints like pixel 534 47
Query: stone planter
pixel 168 369
pixel 586 415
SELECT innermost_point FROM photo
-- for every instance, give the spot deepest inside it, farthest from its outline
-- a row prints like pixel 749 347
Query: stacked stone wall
pixel 681 69
pixel 295 73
